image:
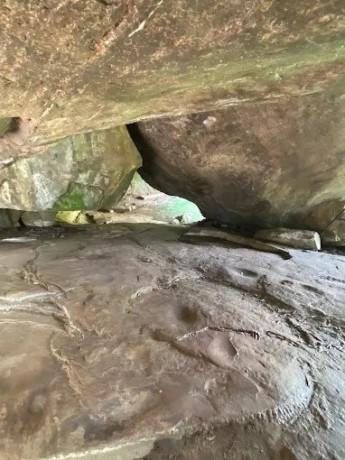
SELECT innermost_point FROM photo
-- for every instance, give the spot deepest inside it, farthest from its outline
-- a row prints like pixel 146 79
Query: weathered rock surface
pixel 124 343
pixel 86 171
pixel 38 219
pixel 262 165
pixel 299 239
pixel 6 219
pixel 235 238
pixel 71 67
pixel 334 234
pixel 82 65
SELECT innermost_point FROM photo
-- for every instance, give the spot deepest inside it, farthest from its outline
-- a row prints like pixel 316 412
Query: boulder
pixel 261 165
pixel 86 171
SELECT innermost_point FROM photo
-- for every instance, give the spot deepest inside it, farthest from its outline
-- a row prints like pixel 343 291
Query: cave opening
pixel 140 204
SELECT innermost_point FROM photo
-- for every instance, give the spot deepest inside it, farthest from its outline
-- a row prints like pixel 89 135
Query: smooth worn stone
pixel 121 342
pixel 86 171
pixel 236 239
pixel 257 166
pixel 83 65
pixel 300 239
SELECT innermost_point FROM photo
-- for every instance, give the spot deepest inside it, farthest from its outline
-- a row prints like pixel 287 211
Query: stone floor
pixel 122 342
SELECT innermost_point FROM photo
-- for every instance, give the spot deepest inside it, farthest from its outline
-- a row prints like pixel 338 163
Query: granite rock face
pixel 86 171
pixel 261 165
pixel 120 342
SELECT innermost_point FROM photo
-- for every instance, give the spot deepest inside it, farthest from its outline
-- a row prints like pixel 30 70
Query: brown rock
pixel 261 165
pixel 82 65
pixel 113 348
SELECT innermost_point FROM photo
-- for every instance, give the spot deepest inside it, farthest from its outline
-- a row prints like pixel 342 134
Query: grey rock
pixel 86 171
pixel 186 218
pixel 300 239
pixel 38 219
pixel 9 218
pixel 243 241
pixel 5 220
pixel 334 235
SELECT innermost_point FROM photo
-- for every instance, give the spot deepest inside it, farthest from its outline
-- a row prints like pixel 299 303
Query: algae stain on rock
pixel 86 171
pixel 70 201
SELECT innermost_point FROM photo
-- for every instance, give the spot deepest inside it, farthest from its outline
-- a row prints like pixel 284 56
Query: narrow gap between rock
pixel 140 204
